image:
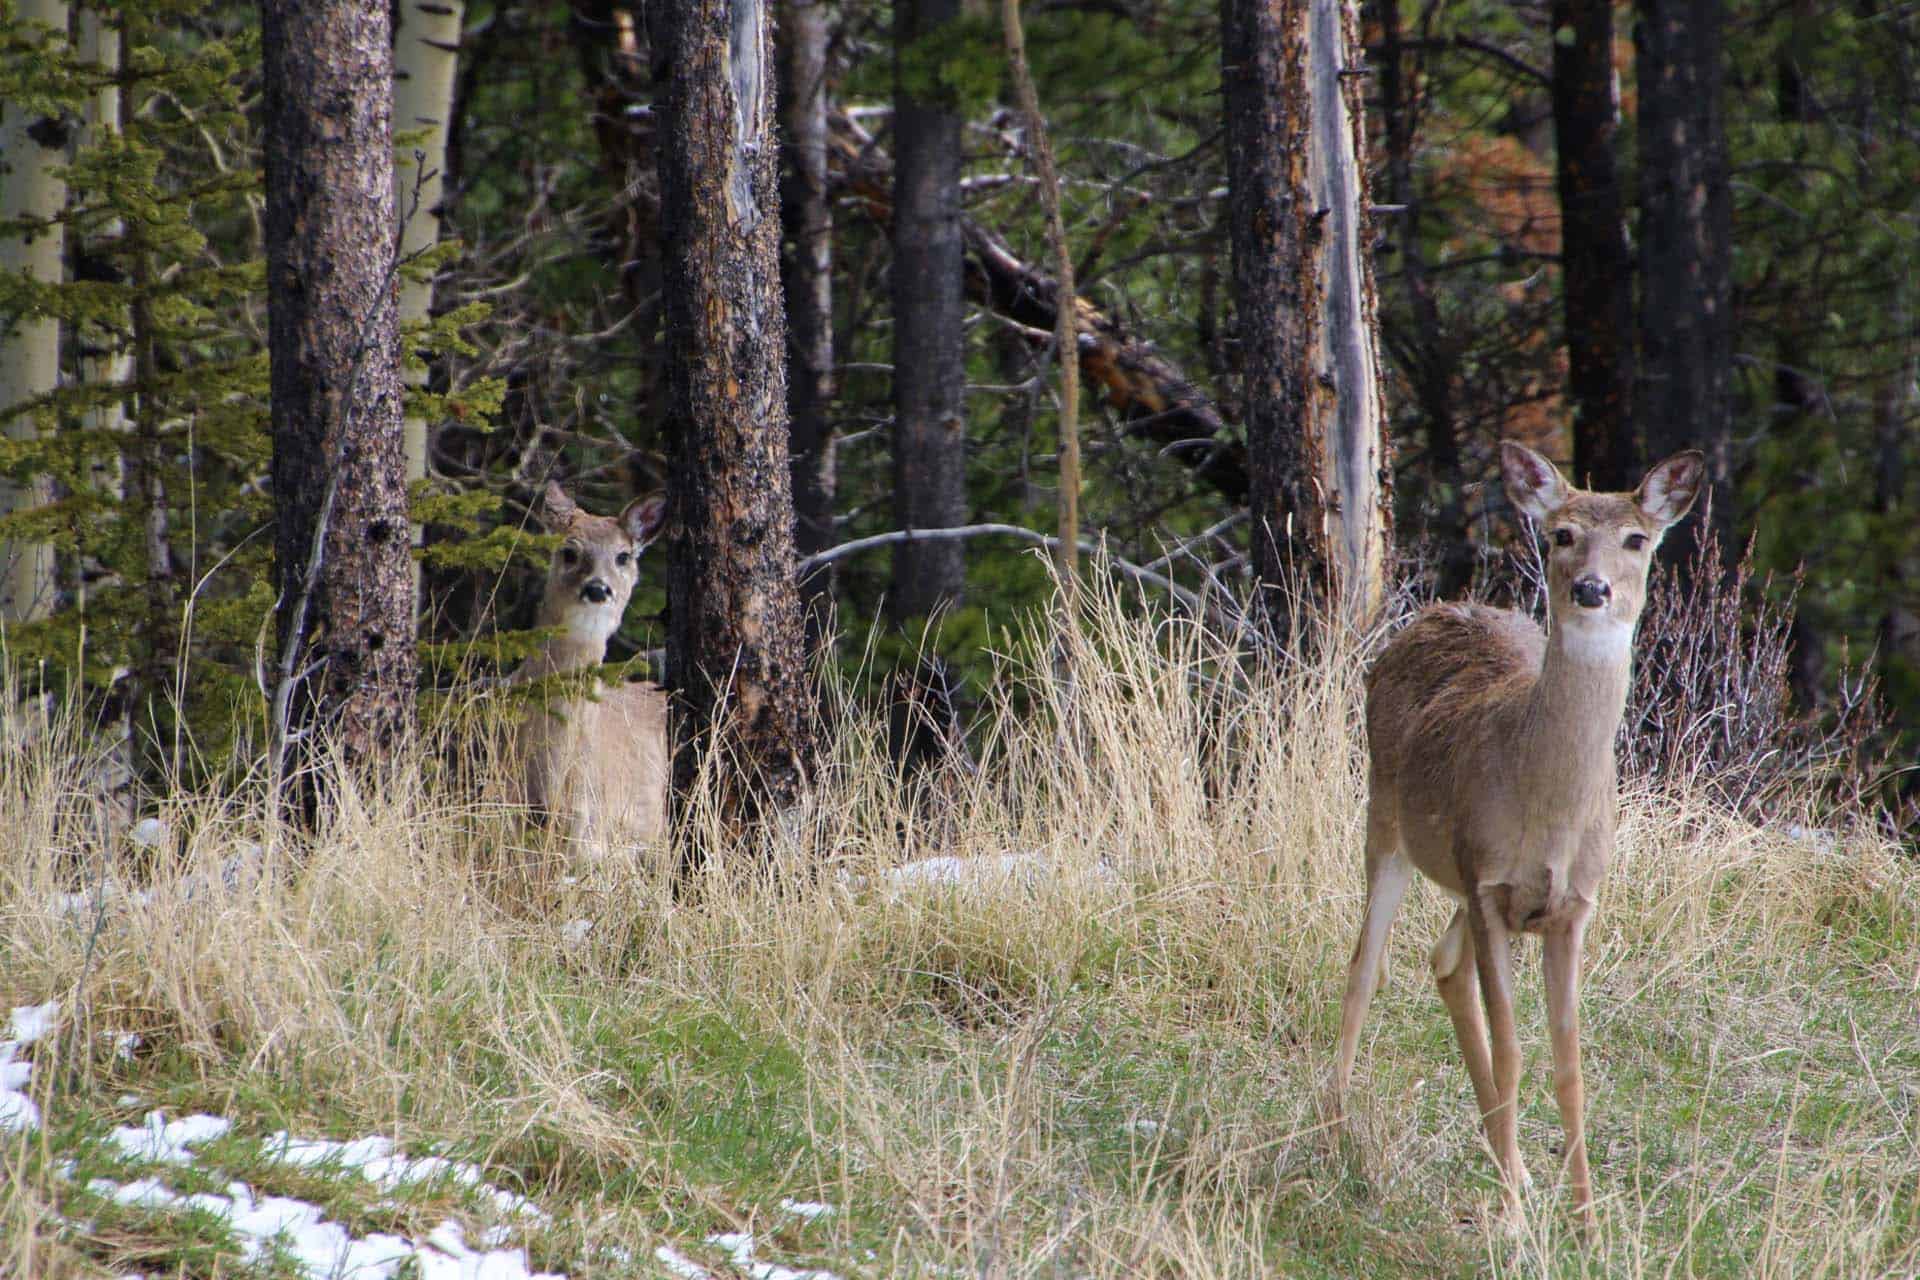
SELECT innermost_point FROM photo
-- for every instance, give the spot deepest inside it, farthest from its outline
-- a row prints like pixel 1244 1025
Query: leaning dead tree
pixel 736 650
pixel 344 654
pixel 1299 221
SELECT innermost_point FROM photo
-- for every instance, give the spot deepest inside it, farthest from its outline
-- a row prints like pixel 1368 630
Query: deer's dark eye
pixel 624 559
pixel 1636 541
pixel 1563 537
pixel 569 556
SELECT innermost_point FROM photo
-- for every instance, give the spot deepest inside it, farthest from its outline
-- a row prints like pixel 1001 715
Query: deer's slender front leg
pixel 1561 962
pixel 1493 955
pixel 1459 981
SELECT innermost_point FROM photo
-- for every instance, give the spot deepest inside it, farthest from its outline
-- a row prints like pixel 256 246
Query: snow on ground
pixel 28 1023
pixel 297 1231
pixel 988 873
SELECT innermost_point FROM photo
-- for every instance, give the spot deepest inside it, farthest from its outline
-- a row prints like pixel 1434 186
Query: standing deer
pixel 1493 775
pixel 599 764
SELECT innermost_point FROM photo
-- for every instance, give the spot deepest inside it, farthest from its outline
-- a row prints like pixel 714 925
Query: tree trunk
pixel 105 361
pixel 1683 396
pixel 1596 263
pixel 736 648
pixel 929 311
pixel 345 636
pixel 1305 303
pixel 1428 352
pixel 426 54
pixel 806 277
pixel 30 147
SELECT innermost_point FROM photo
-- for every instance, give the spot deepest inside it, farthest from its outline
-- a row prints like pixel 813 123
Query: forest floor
pixel 1093 1045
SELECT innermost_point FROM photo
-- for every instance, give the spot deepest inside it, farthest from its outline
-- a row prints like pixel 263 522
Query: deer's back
pixel 1447 685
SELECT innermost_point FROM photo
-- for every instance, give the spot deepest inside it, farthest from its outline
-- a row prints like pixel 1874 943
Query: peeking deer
pixel 597 764
pixel 1493 776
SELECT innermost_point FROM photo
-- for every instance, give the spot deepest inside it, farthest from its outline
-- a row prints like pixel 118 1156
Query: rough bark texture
pixel 806 277
pixel 1425 348
pixel 1596 262
pixel 1263 50
pixel 735 645
pixel 30 147
pixel 1304 299
pixel 1683 395
pixel 929 312
pixel 346 614
pixel 426 53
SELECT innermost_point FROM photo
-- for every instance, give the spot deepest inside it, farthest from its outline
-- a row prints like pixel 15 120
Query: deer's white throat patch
pixel 1603 639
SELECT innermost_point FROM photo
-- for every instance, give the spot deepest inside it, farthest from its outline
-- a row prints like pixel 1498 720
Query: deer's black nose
pixel 596 592
pixel 1591 592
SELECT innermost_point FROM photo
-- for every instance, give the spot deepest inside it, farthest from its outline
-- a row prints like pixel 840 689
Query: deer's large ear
pixel 1533 484
pixel 1669 490
pixel 557 510
pixel 643 517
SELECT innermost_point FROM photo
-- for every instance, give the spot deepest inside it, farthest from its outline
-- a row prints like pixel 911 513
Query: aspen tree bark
pixel 1684 395
pixel 106 361
pixel 345 660
pixel 806 276
pixel 1596 262
pixel 1300 227
pixel 736 649
pixel 1066 325
pixel 426 55
pixel 929 315
pixel 30 147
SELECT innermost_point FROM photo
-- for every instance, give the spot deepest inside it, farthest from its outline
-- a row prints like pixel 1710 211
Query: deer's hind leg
pixel 1389 871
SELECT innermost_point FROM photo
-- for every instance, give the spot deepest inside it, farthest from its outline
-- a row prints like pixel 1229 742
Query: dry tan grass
pixel 1105 1064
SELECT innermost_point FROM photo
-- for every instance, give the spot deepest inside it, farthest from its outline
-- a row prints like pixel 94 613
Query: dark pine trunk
pixel 342 565
pixel 1304 302
pixel 736 648
pixel 1596 263
pixel 929 366
pixel 1684 392
pixel 806 274
pixel 1263 72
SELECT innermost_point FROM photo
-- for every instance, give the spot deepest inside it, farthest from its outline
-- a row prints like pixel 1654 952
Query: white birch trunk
pixel 30 349
pixel 426 54
pixel 107 362
pixel 1355 462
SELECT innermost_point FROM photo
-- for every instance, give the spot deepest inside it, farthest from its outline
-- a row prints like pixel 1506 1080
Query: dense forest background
pixel 1523 294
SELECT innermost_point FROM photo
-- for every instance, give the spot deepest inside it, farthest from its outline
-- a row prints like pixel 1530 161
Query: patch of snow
pixel 325 1250
pixel 739 1247
pixel 576 931
pixel 30 1022
pixel 27 1023
pixel 108 893
pixel 125 1043
pixel 680 1265
pixel 808 1209
pixel 988 873
pixel 1145 1128
pixel 17 1111
pixel 166 1141
pixel 151 833
pixel 376 1160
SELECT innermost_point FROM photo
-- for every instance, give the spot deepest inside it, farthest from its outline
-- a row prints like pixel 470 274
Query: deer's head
pixel 1600 545
pixel 592 574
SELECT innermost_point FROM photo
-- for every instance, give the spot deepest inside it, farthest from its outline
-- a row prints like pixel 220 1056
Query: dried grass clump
pixel 1090 1046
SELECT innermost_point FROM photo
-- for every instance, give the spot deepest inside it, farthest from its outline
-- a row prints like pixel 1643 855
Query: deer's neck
pixel 573 648
pixel 1572 715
